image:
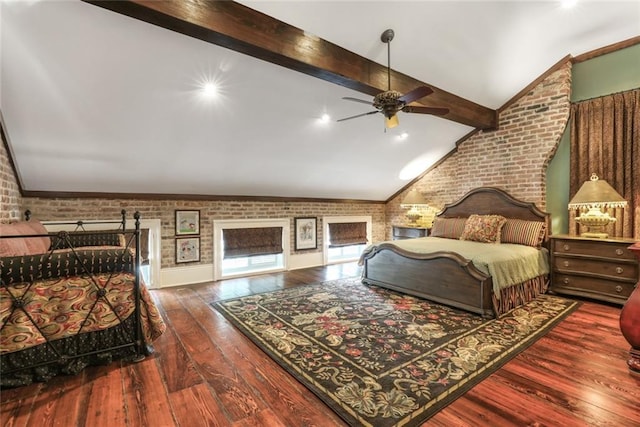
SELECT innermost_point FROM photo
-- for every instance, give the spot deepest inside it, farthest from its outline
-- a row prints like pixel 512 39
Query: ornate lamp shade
pixel 413 201
pixel 592 196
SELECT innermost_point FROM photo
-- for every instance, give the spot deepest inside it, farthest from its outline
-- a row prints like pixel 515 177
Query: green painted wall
pixel 558 187
pixel 615 72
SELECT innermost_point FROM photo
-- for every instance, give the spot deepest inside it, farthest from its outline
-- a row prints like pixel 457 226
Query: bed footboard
pixel 443 277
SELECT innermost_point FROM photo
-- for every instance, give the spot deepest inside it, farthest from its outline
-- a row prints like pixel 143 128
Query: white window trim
pixel 219 225
pixel 334 219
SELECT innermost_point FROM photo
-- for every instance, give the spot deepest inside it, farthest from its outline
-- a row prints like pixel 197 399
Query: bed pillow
pixel 11 247
pixel 20 247
pixel 451 228
pixel 483 228
pixel 522 232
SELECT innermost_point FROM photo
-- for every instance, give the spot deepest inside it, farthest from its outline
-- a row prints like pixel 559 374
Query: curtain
pixel 605 140
pixel 347 233
pixel 242 242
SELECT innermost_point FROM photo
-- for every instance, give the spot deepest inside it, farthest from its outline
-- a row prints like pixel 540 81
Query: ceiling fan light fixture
pixel 390 101
pixel 391 122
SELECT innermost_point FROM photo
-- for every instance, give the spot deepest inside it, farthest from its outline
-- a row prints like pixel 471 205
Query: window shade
pixel 242 242
pixel 347 233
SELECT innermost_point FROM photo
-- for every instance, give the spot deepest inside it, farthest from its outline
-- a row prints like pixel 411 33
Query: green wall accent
pixel 618 71
pixel 558 186
pixel 615 72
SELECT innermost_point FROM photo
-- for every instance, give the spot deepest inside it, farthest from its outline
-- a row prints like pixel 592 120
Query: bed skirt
pixel 517 295
pixel 117 339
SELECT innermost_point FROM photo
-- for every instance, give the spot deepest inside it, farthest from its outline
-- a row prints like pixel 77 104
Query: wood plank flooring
pixel 206 373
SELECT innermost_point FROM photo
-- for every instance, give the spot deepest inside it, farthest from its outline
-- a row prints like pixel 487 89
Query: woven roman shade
pixel 347 233
pixel 242 242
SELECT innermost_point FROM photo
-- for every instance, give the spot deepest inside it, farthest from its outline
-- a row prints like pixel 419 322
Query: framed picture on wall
pixel 187 249
pixel 306 236
pixel 187 222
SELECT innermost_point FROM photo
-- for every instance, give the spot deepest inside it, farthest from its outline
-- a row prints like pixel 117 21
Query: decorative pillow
pixel 20 247
pixel 451 228
pixel 483 228
pixel 37 245
pixel 522 232
pixel 11 246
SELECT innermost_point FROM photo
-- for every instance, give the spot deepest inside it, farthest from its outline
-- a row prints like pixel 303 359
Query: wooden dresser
pixel 602 269
pixel 405 232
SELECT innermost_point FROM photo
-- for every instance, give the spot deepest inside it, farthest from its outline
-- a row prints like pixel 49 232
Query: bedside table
pixel 405 232
pixel 602 269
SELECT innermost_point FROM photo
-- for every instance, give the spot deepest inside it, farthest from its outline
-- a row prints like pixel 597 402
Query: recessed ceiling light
pixel 325 118
pixel 568 4
pixel 210 89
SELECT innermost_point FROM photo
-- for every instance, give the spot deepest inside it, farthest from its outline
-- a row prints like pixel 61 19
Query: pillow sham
pixel 522 232
pixel 12 246
pixel 451 228
pixel 483 228
pixel 20 247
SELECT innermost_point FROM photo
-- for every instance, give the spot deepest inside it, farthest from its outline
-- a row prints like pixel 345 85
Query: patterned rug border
pixel 417 417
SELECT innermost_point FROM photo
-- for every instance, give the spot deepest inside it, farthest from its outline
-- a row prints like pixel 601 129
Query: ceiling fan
pixel 391 101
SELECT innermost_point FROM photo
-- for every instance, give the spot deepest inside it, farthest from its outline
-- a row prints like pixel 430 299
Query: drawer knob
pixel 565 247
pixel 566 263
pixel 619 251
pixel 565 280
pixel 619 270
pixel 618 289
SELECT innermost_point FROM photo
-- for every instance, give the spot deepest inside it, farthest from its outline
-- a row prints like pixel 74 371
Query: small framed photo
pixel 306 233
pixel 187 222
pixel 187 249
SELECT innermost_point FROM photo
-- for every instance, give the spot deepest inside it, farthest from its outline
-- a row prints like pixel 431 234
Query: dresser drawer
pixel 602 289
pixel 603 249
pixel 612 269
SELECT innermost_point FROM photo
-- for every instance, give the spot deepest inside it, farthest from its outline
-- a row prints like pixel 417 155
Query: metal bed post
pixel 140 345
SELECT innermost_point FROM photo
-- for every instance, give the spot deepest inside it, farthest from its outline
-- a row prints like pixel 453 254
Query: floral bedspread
pixel 56 308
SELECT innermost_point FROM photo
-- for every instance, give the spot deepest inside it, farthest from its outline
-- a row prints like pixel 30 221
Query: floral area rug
pixel 380 358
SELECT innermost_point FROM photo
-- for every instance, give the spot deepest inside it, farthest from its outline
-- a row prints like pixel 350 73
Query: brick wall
pixel 514 157
pixel 10 199
pixel 73 209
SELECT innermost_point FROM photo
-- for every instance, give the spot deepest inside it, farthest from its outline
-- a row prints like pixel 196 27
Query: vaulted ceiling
pixel 103 101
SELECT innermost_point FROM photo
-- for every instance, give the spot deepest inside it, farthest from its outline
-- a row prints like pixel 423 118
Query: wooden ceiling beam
pixel 240 28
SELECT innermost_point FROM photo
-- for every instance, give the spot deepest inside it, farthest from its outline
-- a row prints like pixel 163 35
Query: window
pixel 244 247
pixel 345 237
pixel 345 253
pixel 251 264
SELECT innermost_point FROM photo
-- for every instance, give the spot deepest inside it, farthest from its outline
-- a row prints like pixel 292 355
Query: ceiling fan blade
pixel 417 93
pixel 358 115
pixel 426 110
pixel 362 101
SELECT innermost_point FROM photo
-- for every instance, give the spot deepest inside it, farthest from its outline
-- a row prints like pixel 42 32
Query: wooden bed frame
pixel 447 277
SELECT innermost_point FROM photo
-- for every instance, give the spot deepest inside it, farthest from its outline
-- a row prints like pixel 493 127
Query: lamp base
pixel 594 235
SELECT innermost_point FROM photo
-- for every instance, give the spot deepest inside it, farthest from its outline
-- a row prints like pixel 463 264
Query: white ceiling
pixel 94 101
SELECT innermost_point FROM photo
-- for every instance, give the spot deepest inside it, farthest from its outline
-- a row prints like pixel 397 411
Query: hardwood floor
pixel 206 373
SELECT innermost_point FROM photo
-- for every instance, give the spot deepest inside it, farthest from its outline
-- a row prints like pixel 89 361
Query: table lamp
pixel 594 195
pixel 413 200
